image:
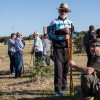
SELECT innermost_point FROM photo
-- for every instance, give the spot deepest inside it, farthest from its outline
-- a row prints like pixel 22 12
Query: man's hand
pixel 67 31
pixel 32 52
pixel 67 36
pixel 71 63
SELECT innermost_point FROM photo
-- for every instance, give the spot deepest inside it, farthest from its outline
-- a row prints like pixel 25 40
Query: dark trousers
pixel 86 85
pixel 18 64
pixel 61 68
pixel 89 56
pixel 12 60
pixel 38 54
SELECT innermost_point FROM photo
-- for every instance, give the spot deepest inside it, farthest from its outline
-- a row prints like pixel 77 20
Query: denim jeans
pixel 18 64
pixel 47 60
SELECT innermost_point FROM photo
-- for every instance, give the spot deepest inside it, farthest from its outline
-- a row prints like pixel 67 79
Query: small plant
pixel 41 70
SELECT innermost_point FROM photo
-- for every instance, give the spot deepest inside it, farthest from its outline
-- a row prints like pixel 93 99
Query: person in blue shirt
pixel 11 52
pixel 59 33
pixel 18 55
pixel 37 46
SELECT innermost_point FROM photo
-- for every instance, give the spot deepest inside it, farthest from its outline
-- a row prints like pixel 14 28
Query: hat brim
pixel 64 9
pixel 36 34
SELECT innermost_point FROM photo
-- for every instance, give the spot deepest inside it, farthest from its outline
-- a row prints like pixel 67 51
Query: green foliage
pixel 40 69
pixel 4 39
pixel 79 44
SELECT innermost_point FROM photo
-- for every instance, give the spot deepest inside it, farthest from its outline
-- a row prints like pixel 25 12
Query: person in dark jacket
pixel 89 85
pixel 87 39
pixel 59 34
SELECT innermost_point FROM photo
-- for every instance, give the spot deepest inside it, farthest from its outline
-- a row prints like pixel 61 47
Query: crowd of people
pixel 15 51
pixel 59 33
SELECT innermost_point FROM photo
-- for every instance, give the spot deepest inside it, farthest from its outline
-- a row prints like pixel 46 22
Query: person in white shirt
pixel 37 46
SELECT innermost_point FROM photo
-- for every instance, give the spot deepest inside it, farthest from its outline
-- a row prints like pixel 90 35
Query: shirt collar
pixel 61 18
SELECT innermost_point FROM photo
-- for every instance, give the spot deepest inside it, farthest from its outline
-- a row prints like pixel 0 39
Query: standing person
pixel 46 48
pixel 59 33
pixel 98 33
pixel 87 38
pixel 11 52
pixel 90 85
pixel 37 46
pixel 18 55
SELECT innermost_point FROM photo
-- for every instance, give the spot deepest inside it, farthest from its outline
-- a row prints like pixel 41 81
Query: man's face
pixel 94 50
pixel 14 37
pixel 63 13
pixel 20 37
pixel 35 35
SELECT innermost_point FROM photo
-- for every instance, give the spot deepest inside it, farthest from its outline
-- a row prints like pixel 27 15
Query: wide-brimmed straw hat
pixel 64 6
pixel 36 33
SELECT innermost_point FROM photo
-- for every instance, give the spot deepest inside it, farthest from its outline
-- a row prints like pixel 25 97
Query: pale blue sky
pixel 27 16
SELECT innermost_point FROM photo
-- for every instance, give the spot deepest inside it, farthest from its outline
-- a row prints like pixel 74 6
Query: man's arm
pixel 57 35
pixel 84 70
pixel 10 41
pixel 35 45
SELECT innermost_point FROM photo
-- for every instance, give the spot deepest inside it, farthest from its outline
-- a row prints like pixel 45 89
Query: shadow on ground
pixel 4 72
pixel 42 94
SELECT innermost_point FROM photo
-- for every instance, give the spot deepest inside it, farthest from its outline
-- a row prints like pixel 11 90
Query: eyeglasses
pixel 63 11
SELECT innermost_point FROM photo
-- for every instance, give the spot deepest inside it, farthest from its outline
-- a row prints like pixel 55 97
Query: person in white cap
pixel 37 46
pixel 59 33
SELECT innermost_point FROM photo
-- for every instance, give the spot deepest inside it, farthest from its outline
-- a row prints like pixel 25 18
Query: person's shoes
pixel 65 89
pixel 59 93
pixel 17 76
pixel 13 73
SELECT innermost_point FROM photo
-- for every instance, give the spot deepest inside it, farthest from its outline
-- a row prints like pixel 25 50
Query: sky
pixel 27 16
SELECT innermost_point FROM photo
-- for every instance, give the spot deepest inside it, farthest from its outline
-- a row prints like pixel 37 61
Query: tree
pixel 78 42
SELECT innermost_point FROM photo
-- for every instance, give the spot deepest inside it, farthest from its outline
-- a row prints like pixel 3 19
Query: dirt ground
pixel 25 88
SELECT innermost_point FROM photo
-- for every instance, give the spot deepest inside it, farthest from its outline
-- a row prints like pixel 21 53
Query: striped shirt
pixel 57 31
pixel 18 45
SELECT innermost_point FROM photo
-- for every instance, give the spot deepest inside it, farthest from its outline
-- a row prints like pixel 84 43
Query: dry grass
pixel 24 88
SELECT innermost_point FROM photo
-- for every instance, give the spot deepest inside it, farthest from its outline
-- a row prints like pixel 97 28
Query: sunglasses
pixel 63 11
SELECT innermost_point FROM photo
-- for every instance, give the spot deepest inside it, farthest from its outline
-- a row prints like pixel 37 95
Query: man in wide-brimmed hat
pixel 37 46
pixel 59 33
pixel 90 78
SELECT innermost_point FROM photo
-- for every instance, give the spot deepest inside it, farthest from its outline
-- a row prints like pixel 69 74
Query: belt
pixel 20 51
